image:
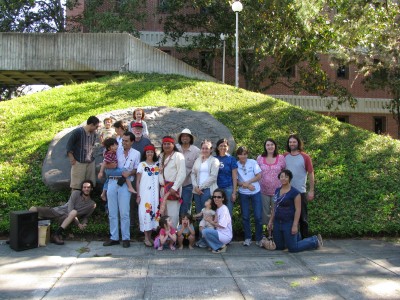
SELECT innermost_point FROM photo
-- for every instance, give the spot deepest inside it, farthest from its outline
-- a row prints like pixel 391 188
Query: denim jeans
pixel 211 237
pixel 256 203
pixel 111 172
pixel 118 202
pixel 228 191
pixel 284 238
pixel 199 200
pixel 187 196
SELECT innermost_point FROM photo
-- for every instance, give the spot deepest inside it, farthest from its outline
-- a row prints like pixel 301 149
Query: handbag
pixel 268 243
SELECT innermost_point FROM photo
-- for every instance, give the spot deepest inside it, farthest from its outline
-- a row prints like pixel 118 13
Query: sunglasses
pixel 217 197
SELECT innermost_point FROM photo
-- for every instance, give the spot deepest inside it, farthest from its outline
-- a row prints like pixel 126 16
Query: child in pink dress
pixel 167 233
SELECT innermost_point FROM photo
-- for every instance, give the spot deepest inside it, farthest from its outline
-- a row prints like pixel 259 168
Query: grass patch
pixel 356 171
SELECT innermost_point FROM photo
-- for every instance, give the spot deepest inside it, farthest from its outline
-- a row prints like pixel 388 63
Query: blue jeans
pixel 228 191
pixel 118 202
pixel 256 203
pixel 199 200
pixel 284 238
pixel 187 195
pixel 111 172
pixel 211 238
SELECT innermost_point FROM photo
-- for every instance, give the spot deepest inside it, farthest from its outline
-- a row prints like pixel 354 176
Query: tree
pixel 369 38
pixel 275 37
pixel 31 16
pixel 112 16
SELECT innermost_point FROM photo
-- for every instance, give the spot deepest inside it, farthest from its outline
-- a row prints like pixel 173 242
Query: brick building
pixel 368 114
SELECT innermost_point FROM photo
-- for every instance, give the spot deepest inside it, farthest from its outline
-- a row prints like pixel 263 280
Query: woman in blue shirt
pixel 285 218
pixel 227 175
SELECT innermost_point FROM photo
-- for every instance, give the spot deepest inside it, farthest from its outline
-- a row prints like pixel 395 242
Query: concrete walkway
pixel 343 269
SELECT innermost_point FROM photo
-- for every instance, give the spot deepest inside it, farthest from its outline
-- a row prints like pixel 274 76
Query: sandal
pixel 160 248
pixel 147 243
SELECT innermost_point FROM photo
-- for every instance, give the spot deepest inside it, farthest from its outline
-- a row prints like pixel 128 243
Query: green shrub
pixel 356 171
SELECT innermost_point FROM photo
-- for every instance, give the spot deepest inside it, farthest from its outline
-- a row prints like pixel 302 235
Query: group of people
pixel 165 185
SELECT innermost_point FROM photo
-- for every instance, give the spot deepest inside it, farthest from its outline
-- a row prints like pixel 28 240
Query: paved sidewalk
pixel 343 269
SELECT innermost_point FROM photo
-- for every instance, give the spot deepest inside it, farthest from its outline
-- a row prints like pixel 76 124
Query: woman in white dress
pixel 147 187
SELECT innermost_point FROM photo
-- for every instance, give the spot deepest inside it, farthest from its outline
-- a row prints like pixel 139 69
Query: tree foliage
pixel 275 37
pixel 31 16
pixel 368 37
pixel 112 16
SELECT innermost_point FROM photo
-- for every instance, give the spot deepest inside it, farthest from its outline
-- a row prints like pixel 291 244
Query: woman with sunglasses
pixel 218 238
pixel 285 218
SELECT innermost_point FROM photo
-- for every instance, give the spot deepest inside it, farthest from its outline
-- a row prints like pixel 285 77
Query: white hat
pixel 185 131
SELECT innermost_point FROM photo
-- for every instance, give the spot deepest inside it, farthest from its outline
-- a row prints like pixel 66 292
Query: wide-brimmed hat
pixel 185 131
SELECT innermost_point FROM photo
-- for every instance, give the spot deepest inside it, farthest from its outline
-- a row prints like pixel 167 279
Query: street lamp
pixel 223 36
pixel 237 7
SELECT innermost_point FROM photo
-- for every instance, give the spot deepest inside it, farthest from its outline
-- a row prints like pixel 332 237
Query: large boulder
pixel 161 121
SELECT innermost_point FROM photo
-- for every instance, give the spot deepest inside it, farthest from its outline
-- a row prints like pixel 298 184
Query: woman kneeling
pixel 285 218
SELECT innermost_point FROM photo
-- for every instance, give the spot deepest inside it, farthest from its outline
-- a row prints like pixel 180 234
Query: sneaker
pixel 259 243
pixel 126 244
pixel 200 245
pixel 320 242
pixel 110 243
pixel 220 250
pixel 56 239
pixel 247 242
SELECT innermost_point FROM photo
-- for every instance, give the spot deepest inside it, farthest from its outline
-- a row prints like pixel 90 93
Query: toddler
pixel 167 233
pixel 107 131
pixel 207 211
pixel 186 233
pixel 110 156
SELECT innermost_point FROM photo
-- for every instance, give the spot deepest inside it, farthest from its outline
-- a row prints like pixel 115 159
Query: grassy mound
pixel 356 171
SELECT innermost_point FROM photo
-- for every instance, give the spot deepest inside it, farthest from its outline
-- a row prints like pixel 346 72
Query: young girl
pixel 186 233
pixel 138 117
pixel 110 156
pixel 206 212
pixel 167 233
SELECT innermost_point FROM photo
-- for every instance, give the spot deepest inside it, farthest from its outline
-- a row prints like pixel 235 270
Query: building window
pixel 206 62
pixel 291 72
pixel 379 125
pixel 163 6
pixel 343 119
pixel 342 72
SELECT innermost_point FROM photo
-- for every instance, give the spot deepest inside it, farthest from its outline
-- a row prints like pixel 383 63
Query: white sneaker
pixel 247 242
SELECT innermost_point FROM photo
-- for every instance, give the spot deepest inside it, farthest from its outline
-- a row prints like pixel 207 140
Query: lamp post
pixel 222 36
pixel 237 7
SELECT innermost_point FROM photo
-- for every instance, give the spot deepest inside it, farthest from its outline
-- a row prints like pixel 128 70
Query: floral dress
pixel 149 213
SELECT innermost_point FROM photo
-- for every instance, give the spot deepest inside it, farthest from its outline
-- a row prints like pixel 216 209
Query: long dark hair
pixel 224 201
pixel 220 141
pixel 143 158
pixel 299 142
pixel 170 137
pixel 265 153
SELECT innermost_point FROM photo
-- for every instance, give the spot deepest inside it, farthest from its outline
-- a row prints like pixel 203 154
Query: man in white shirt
pixel 118 195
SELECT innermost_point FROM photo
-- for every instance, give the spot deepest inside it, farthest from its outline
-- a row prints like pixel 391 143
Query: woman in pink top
pixel 271 164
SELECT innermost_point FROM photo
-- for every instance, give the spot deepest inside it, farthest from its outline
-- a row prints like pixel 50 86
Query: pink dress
pixel 269 174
